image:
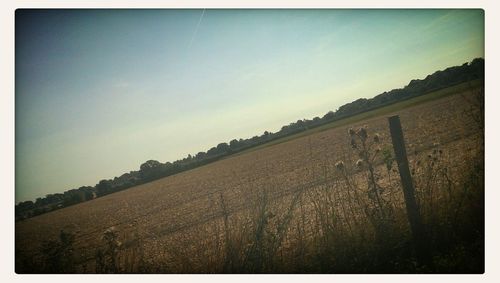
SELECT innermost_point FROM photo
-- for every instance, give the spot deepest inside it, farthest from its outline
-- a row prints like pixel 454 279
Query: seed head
pixel 110 234
pixel 351 132
pixel 110 230
pixel 353 143
pixel 339 165
pixel 359 163
pixel 362 133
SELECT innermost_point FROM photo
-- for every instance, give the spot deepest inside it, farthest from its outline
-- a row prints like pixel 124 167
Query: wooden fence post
pixel 420 244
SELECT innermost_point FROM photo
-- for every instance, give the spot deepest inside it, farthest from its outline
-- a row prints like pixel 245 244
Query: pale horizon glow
pixel 98 92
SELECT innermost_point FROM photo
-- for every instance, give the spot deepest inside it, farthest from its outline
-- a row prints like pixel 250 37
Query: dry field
pixel 282 208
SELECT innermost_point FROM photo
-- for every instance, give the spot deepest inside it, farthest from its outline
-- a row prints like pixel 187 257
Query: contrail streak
pixel 196 30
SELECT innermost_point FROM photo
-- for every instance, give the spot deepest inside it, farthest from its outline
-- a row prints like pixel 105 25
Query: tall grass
pixel 352 219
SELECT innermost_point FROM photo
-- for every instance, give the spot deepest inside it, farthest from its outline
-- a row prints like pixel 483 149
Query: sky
pixel 99 92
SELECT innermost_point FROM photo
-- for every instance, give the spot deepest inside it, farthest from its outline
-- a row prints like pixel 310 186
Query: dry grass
pixel 289 208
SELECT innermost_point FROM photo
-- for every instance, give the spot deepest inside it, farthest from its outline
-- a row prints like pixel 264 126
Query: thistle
pixel 362 133
pixel 353 143
pixel 351 132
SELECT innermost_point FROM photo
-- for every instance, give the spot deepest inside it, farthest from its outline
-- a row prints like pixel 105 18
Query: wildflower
pixel 339 165
pixel 376 138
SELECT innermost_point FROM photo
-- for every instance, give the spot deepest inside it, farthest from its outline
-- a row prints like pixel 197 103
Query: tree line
pixel 152 169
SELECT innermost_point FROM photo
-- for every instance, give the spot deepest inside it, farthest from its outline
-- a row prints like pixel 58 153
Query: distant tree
pixel 71 197
pixel 103 188
pixel 234 144
pixel 212 151
pixel 25 205
pixel 24 209
pixel 151 169
pixel 328 115
pixel 223 148
pixel 200 155
pixel 254 140
pixel 150 164
pixel 86 192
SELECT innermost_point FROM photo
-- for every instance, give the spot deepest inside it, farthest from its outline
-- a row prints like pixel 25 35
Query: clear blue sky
pixel 98 92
